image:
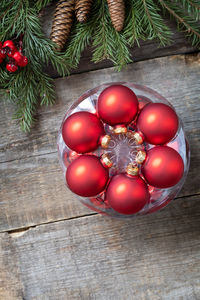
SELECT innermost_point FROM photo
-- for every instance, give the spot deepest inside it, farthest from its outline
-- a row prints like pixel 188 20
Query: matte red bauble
pixel 158 122
pixel 86 176
pixel 163 167
pixel 117 105
pixel 127 194
pixel 81 131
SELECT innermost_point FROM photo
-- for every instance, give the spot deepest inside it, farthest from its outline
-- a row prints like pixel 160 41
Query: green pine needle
pixel 185 23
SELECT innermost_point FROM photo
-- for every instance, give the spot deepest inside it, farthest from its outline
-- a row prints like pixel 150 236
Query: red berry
pixel 11 67
pixel 10 53
pixel 1 45
pixel 2 53
pixel 23 62
pixel 9 44
pixel 18 57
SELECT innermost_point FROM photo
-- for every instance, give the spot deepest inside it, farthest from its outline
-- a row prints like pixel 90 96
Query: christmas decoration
pixel 127 194
pixel 123 174
pixel 158 123
pixel 83 131
pixel 62 22
pixel 86 176
pixel 16 57
pixel 82 9
pixel 163 167
pixel 23 62
pixel 117 13
pixel 9 44
pixel 11 67
pixel 144 21
pixel 117 105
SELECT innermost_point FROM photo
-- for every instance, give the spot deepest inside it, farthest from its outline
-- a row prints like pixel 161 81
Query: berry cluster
pixel 16 57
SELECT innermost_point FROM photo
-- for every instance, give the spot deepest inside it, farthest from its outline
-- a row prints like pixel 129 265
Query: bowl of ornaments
pixel 123 150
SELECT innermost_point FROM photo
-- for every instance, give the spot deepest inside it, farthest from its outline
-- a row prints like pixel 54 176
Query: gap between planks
pixel 17 232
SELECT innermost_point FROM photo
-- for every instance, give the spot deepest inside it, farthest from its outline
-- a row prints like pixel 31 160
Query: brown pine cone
pixel 62 22
pixel 82 9
pixel 117 13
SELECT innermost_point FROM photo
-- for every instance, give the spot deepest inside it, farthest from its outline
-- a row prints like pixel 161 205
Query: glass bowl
pixel 123 150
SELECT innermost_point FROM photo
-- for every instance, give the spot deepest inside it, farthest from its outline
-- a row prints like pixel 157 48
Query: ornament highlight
pixel 86 176
pixel 163 167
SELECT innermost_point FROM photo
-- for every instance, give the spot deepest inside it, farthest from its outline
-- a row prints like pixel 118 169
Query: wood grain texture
pixel 32 190
pixel 98 258
pixel 147 49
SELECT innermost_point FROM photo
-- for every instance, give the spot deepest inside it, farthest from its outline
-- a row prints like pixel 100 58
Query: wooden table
pixel 52 247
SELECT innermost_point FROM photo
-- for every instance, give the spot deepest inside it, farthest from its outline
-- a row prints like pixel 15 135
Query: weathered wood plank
pixel 32 190
pixel 153 257
pixel 147 49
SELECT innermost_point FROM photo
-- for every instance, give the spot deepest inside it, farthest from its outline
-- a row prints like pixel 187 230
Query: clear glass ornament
pixel 123 149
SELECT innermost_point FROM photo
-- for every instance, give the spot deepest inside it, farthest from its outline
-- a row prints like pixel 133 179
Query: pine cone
pixel 82 9
pixel 117 13
pixel 62 22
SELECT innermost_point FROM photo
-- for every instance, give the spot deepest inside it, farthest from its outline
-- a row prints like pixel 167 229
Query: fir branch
pixel 151 22
pixel 29 85
pixel 185 23
pixel 81 36
pixel 192 7
pixel 39 48
pixel 23 91
pixel 108 43
pixel 132 32
pixel 41 4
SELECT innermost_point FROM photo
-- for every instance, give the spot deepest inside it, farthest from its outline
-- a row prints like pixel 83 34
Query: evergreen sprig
pixel 144 20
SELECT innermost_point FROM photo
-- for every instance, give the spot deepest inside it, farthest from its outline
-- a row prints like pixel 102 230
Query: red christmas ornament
pixel 23 62
pixel 82 131
pixel 11 67
pixel 158 123
pixel 86 176
pixel 127 194
pixel 9 44
pixel 117 105
pixel 18 56
pixel 163 167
